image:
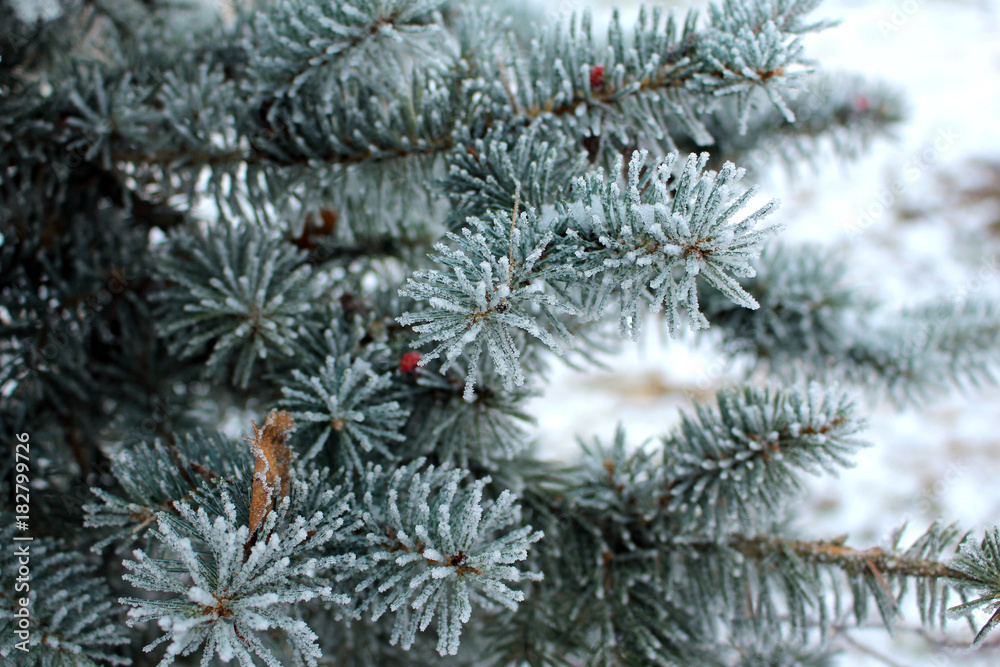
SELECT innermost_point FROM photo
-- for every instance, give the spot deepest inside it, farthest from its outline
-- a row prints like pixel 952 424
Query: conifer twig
pixel 847 558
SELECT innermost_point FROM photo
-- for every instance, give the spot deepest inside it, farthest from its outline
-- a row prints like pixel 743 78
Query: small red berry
pixel 408 364
pixel 862 104
pixel 597 77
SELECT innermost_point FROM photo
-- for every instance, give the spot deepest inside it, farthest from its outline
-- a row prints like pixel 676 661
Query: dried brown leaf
pixel 272 457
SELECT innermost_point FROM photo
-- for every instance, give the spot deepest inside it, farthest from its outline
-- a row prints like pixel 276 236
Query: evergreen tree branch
pixel 432 551
pixel 71 616
pixel 734 55
pixel 735 466
pixel 236 292
pixel 295 43
pixel 338 141
pixel 811 318
pixel 156 477
pixel 978 568
pixel 648 243
pixel 827 552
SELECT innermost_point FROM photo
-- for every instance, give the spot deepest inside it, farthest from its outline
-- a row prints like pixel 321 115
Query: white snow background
pixel 936 461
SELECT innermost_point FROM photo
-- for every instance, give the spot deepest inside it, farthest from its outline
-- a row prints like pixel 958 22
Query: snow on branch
pixel 648 243
pixel 235 293
pixel 491 290
pixel 980 565
pixel 652 241
pixel 345 407
pixel 154 476
pixel 295 43
pixel 736 465
pixel 71 618
pixel 435 550
pixel 226 593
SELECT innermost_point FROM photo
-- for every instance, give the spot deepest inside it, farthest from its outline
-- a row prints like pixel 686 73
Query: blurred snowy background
pixel 938 237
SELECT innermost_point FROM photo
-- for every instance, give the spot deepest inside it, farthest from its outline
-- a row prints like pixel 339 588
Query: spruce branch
pixel 648 243
pixel 977 568
pixel 805 314
pixel 735 465
pixel 840 112
pixel 810 317
pixel 345 409
pixel 834 552
pixel 484 175
pixel 638 557
pixel 433 550
pixel 71 617
pixel 882 574
pixel 752 50
pixel 156 476
pixel 661 73
pixel 295 43
pixel 652 241
pixel 338 142
pixel 225 594
pixel 491 290
pixel 485 434
pixel 236 293
pixel 608 547
pixel 671 76
pixel 931 348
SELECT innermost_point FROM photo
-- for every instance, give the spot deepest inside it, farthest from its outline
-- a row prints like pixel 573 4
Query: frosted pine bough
pixel 485 308
pixel 662 240
pixel 225 608
pixel 345 402
pixel 247 298
pixel 648 241
pixel 447 568
pixel 337 184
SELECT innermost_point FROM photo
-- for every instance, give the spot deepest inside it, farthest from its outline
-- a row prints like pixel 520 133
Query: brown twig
pixel 875 559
